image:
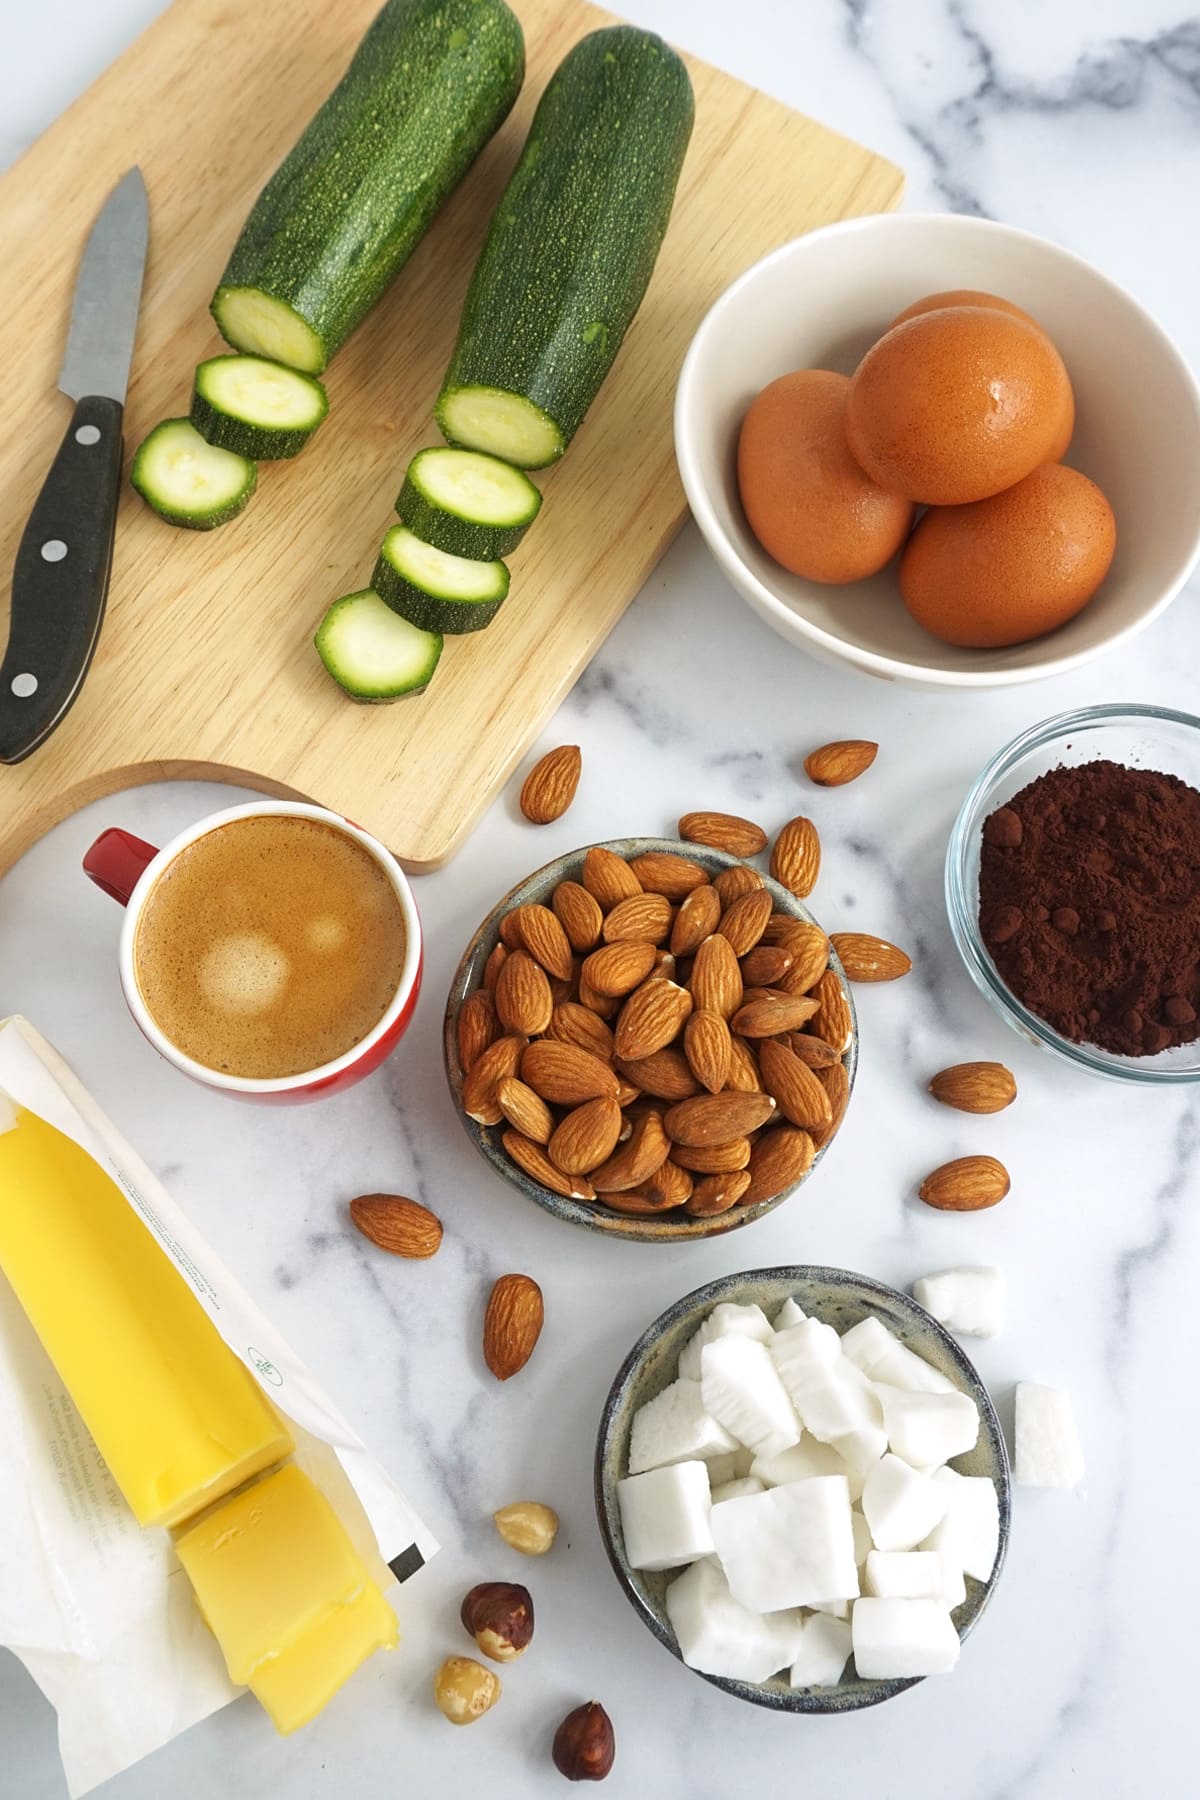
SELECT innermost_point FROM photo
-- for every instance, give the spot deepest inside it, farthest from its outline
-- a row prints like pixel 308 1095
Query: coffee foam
pixel 243 974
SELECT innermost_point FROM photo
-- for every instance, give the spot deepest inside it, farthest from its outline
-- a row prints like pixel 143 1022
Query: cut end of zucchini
pixel 254 322
pixel 435 590
pixel 255 407
pixel 500 424
pixel 372 653
pixel 188 481
pixel 467 503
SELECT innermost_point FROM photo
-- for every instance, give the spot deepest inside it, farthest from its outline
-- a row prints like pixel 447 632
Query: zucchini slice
pixel 188 481
pixel 435 590
pixel 372 652
pixel 256 408
pixel 467 504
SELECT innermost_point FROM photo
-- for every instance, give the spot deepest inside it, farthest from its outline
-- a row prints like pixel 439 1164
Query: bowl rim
pixel 667 1230
pixel 963 913
pixel 726 1287
pixel 792 625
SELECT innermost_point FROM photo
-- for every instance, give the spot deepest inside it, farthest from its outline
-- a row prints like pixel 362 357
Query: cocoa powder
pixel 1089 904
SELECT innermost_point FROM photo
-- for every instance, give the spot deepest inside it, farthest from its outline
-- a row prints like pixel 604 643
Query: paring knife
pixel 60 578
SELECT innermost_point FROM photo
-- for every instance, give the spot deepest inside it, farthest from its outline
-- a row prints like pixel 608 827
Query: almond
pixel 813 1050
pixel 766 965
pixel 713 1159
pixel 608 878
pixel 650 1019
pixel 708 1048
pixel 836 1081
pixel 778 926
pixel 774 1014
pixel 698 916
pixel 716 982
pixel 510 935
pixel 833 1019
pixel 643 918
pixel 635 1161
pixel 523 998
pixel 801 1096
pixel 550 785
pixel 660 872
pixel 565 1075
pixel 667 1075
pixel 744 922
pixel 966 1185
pixel 808 948
pixel 605 1006
pixel 731 884
pixel 537 1165
pixel 540 932
pixel 640 1202
pixel 400 1226
pixel 796 857
pixel 525 1111
pixel 578 912
pixel 778 1161
pixel 627 1093
pixel 717 1118
pixel 867 958
pixel 512 1324
pixel 723 831
pixel 617 969
pixel 716 1194
pixel 669 1183
pixel 586 1137
pixel 664 967
pixel 493 966
pixel 496 1063
pixel 744 1076
pixel 975 1087
pixel 477 1026
pixel 571 1023
pixel 833 765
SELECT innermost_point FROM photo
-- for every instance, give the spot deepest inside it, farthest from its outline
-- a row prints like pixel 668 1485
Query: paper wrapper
pixel 97 1609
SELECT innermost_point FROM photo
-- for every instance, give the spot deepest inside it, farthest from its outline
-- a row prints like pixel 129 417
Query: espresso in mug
pixel 270 946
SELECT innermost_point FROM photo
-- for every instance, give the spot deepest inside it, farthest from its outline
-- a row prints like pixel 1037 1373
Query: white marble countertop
pixel 1065 118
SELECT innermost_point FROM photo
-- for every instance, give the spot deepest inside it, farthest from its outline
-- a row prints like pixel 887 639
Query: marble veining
pixel 1080 120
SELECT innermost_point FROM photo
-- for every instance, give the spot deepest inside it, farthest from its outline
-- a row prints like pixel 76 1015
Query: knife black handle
pixel 60 580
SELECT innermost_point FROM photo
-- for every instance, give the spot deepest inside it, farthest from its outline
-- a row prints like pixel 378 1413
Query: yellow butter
pixel 285 1593
pixel 175 1415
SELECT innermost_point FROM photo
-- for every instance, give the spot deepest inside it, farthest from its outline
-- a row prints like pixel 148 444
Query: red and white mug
pixel 126 868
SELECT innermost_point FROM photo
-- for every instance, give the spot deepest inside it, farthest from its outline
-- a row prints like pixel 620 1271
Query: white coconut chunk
pixel 737 1489
pixel 721 1468
pixel 1049 1453
pixel 726 1320
pixel 800 1462
pixel 666 1516
pixel 901 1505
pixel 880 1354
pixel 788 1315
pixel 968 1536
pixel 832 1609
pixel 832 1396
pixel 968 1300
pixel 863 1541
pixel 741 1389
pixel 902 1638
pixel 719 1636
pixel 904 1575
pixel 926 1430
pixel 823 1652
pixel 788 1546
pixel 674 1427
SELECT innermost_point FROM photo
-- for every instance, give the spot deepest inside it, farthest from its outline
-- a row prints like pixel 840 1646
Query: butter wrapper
pixel 97 1609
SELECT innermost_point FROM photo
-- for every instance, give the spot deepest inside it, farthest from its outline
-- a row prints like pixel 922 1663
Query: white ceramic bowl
pixel 820 302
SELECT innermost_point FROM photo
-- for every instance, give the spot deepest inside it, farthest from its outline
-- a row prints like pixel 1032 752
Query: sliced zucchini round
pixel 372 652
pixel 188 481
pixel 501 424
pixel 256 408
pixel 435 590
pixel 466 503
pixel 263 326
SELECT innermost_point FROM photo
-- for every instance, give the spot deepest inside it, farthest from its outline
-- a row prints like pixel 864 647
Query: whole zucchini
pixel 428 86
pixel 570 249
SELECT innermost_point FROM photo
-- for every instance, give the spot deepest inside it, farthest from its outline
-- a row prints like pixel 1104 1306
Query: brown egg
pixel 976 297
pixel 807 501
pixel 1013 567
pixel 955 405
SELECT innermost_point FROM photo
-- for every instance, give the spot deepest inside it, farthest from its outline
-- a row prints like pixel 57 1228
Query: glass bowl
pixel 1142 737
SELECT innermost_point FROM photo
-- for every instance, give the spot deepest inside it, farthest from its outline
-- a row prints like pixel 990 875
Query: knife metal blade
pixel 60 578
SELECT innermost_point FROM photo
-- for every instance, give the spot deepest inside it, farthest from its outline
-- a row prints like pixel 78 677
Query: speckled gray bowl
pixel 837 1298
pixel 670 1228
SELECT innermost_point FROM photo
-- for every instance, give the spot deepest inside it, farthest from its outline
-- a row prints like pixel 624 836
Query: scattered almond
pixel 836 1082
pixel 867 958
pixel 723 831
pixel 540 932
pixel 778 1160
pixel 608 877
pixel 967 1184
pixel 578 912
pixel 801 1097
pixel 717 1118
pixel 833 1019
pixel 523 998
pixel 813 1050
pixel 698 916
pixel 512 1324
pixel 660 872
pixel 667 1075
pixel 586 1137
pixel 477 1026
pixel 537 1165
pixel 571 1023
pixel 644 918
pixel 808 948
pixel 796 857
pixel 717 1193
pixel 669 1183
pixel 713 1159
pixel 635 1161
pixel 975 1087
pixel 732 883
pixel 400 1226
pixel 497 1062
pixel 708 1048
pixel 716 982
pixel 651 1018
pixel 766 966
pixel 833 765
pixel 772 1014
pixel 616 969
pixel 565 1075
pixel 525 1111
pixel 744 922
pixel 550 785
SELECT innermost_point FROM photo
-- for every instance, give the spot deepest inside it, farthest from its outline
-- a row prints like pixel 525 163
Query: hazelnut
pixel 584 1745
pixel 528 1526
pixel 464 1689
pixel 499 1616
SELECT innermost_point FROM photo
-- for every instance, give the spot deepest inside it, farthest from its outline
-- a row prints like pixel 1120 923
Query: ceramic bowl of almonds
pixel 652 1039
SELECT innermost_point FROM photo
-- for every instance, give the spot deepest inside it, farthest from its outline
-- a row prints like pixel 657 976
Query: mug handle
pixel 116 862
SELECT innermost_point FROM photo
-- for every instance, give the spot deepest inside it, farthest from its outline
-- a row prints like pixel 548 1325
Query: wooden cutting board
pixel 206 666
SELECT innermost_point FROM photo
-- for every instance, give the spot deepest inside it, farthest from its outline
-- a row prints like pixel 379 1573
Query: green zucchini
pixel 467 504
pixel 570 249
pixel 189 481
pixel 428 86
pixel 435 590
pixel 372 652
pixel 256 408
